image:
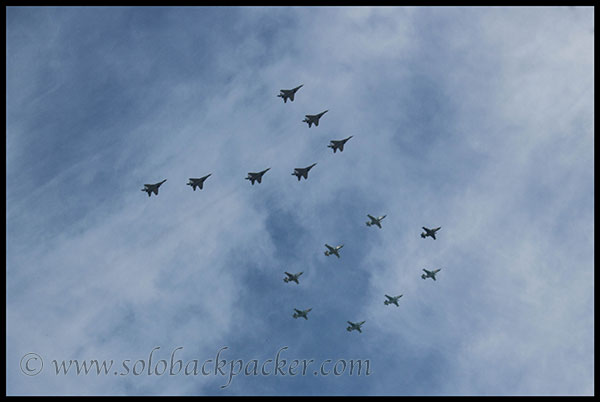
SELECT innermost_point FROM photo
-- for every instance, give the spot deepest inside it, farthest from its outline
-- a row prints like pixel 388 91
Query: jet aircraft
pixel 375 221
pixel 354 326
pixel 338 144
pixel 256 176
pixel 301 313
pixel 392 299
pixel 286 94
pixel 333 250
pixel 429 232
pixel 152 188
pixel 430 274
pixel 197 182
pixel 302 172
pixel 313 118
pixel 292 277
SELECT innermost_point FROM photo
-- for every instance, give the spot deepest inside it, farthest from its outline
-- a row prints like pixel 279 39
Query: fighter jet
pixel 150 188
pixel 313 118
pixel 338 144
pixel 302 172
pixel 256 176
pixel 301 313
pixel 430 274
pixel 375 221
pixel 391 300
pixel 197 182
pixel 354 326
pixel 292 277
pixel 333 250
pixel 429 232
pixel 288 93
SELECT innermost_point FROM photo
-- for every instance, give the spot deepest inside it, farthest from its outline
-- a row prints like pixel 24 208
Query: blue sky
pixel 478 120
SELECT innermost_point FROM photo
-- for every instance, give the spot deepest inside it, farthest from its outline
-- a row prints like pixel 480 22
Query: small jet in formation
pixel 292 277
pixel 302 172
pixel 288 93
pixel 430 274
pixel 354 326
pixel 313 118
pixel 375 221
pixel 150 188
pixel 391 300
pixel 429 232
pixel 338 144
pixel 197 182
pixel 301 313
pixel 333 250
pixel 256 176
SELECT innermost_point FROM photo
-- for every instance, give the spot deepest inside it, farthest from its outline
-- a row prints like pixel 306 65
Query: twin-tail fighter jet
pixel 313 118
pixel 338 144
pixel 152 188
pixel 430 274
pixel 354 326
pixel 256 176
pixel 292 277
pixel 429 232
pixel 333 250
pixel 375 221
pixel 302 172
pixel 197 182
pixel 288 93
pixel 301 313
pixel 392 299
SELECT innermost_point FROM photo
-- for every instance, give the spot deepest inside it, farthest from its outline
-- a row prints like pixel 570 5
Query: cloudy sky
pixel 478 120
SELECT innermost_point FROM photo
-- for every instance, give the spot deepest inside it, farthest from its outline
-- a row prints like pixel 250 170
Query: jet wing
pixel 372 217
pixel 155 191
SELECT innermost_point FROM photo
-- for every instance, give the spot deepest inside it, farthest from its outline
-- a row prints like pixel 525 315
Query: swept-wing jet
pixel 375 221
pixel 430 274
pixel 301 313
pixel 338 144
pixel 354 326
pixel 429 232
pixel 392 299
pixel 313 118
pixel 197 182
pixel 333 250
pixel 152 188
pixel 288 93
pixel 292 277
pixel 256 176
pixel 302 172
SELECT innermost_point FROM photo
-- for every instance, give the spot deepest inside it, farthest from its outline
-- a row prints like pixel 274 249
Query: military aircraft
pixel 333 250
pixel 149 188
pixel 301 313
pixel 338 144
pixel 429 232
pixel 375 221
pixel 430 274
pixel 391 300
pixel 288 93
pixel 197 182
pixel 313 118
pixel 302 172
pixel 256 176
pixel 354 326
pixel 292 277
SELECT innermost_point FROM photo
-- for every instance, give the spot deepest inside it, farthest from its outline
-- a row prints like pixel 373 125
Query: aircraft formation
pixel 253 177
